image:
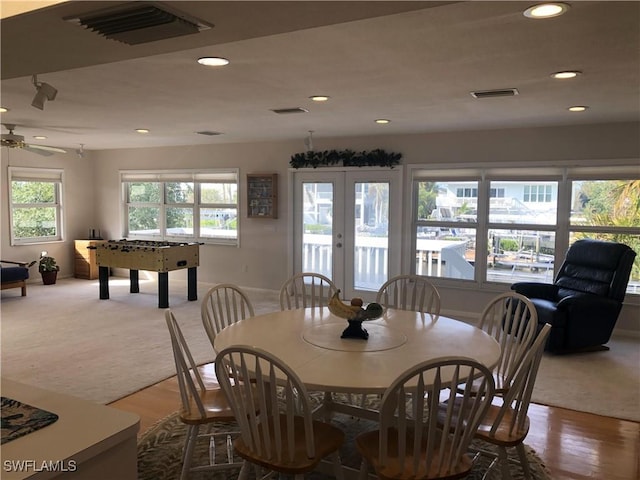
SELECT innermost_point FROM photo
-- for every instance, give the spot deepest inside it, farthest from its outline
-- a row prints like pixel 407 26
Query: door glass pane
pixel 317 227
pixel 371 245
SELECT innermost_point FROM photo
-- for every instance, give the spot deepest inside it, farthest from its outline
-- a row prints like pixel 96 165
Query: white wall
pixel 78 199
pixel 93 189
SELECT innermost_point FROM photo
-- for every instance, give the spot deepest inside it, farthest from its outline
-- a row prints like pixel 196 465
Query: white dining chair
pixel 306 289
pixel 410 292
pixel 511 319
pixel 410 444
pixel 201 406
pixel 224 305
pixel 506 425
pixel 281 435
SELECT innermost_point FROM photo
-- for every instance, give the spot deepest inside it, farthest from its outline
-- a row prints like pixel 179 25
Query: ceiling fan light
pixel 577 108
pixel 382 121
pixel 319 98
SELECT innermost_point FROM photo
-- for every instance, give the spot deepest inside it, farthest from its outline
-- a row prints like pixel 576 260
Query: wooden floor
pixel 573 445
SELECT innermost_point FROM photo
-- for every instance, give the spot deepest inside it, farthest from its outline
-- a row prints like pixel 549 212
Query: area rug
pixel 160 453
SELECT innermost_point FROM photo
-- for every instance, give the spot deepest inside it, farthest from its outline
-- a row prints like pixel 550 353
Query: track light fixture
pixel 44 92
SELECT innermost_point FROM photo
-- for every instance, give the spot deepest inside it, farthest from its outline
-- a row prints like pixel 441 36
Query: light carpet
pixel 63 337
pixel 160 450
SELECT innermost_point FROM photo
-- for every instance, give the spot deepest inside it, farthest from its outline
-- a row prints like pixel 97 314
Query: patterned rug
pixel 20 419
pixel 160 453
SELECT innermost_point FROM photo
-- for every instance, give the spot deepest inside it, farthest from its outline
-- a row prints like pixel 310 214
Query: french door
pixel 347 227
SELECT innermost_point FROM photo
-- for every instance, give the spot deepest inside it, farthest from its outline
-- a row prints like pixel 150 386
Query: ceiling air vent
pixel 136 23
pixel 284 111
pixel 208 133
pixel 505 92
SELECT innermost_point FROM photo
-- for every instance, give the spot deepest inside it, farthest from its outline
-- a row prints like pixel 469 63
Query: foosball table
pixel 161 257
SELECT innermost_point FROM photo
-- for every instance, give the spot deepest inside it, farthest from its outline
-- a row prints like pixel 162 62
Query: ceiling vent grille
pixel 285 111
pixel 139 23
pixel 505 92
pixel 208 133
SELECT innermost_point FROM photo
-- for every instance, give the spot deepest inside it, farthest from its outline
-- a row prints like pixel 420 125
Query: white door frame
pixel 343 179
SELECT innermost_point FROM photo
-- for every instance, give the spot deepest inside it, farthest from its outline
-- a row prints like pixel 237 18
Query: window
pixel 608 210
pixel 182 205
pixel 524 219
pixel 446 227
pixel 36 205
pixel 467 192
pixel 496 193
pixel 537 193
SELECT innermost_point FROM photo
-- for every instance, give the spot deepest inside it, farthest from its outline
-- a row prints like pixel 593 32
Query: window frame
pixel 194 177
pixel 39 175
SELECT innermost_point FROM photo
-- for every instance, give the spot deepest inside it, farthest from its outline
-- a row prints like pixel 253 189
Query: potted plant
pixel 48 268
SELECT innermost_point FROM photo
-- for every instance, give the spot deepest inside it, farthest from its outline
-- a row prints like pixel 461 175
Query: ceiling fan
pixel 11 140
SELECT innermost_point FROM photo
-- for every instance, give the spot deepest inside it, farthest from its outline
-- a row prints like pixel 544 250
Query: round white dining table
pixel 309 341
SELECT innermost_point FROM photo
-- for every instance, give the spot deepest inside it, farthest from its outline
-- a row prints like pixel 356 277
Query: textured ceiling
pixel 414 63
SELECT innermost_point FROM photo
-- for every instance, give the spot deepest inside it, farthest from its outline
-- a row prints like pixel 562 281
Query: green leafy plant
pixel 346 158
pixel 47 264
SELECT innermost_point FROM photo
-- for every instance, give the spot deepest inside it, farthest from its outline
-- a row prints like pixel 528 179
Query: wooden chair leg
pixel 504 463
pixel 244 471
pixel 24 289
pixel 523 460
pixel 364 467
pixel 337 466
pixel 192 438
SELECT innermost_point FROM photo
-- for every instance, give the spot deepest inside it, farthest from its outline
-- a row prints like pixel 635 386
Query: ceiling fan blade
pixel 43 148
pixel 27 148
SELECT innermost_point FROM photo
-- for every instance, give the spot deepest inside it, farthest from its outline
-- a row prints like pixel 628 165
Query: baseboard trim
pixel 472 318
pixel 625 333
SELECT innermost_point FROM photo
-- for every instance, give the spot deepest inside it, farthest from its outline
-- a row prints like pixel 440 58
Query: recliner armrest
pixel 546 291
pixel 587 302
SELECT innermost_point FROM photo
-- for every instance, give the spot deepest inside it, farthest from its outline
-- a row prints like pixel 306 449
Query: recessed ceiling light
pixel 566 74
pixel 546 10
pixel 382 121
pixel 213 61
pixel 319 98
pixel 3 110
pixel 142 130
pixel 578 108
pixel 40 137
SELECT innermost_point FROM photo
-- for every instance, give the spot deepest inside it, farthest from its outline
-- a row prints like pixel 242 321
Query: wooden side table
pixel 85 265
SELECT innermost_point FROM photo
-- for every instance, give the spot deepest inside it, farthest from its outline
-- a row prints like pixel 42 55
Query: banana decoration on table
pixel 354 310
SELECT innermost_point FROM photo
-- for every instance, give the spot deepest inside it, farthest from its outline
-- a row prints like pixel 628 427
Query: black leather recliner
pixel 584 302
